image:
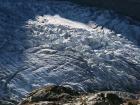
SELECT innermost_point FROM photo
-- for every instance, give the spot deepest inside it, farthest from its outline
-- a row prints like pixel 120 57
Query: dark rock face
pixel 127 7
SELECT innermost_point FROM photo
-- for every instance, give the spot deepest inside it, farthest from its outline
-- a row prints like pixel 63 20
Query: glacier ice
pixel 85 48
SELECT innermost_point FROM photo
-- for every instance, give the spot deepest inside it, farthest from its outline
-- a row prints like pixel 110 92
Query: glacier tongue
pixel 85 48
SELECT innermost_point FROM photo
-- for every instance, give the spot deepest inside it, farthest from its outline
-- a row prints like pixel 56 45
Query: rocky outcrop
pixel 50 93
pixel 58 95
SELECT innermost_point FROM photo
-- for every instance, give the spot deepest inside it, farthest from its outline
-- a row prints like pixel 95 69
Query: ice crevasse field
pixel 52 42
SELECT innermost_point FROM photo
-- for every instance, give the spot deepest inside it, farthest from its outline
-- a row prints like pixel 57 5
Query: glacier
pixel 59 42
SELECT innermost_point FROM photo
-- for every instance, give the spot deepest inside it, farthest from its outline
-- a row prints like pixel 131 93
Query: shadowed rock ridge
pixel 126 7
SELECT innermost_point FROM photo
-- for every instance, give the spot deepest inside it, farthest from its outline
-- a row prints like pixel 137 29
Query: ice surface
pixel 49 42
